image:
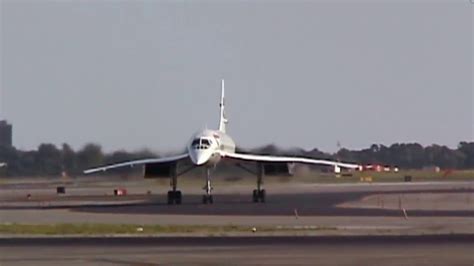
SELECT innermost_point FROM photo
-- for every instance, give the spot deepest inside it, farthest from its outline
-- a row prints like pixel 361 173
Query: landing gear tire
pixel 262 195
pixel 255 196
pixel 170 197
pixel 207 199
pixel 259 195
pixel 174 197
pixel 178 197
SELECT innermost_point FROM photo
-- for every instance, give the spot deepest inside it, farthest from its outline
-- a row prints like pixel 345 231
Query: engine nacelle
pixel 278 169
pixel 160 170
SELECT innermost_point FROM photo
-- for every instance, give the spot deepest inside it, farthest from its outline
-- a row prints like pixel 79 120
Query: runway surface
pixel 321 204
pixel 306 204
pixel 348 250
pixel 364 225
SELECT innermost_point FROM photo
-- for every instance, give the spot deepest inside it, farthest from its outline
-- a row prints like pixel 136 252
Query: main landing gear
pixel 207 198
pixel 259 194
pixel 174 196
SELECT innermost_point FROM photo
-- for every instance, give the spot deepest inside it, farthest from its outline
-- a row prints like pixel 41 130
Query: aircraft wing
pixel 284 159
pixel 137 162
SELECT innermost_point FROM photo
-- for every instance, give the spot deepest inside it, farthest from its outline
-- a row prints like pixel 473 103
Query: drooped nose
pixel 199 157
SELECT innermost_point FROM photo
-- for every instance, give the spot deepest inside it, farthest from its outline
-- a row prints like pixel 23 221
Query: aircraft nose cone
pixel 200 158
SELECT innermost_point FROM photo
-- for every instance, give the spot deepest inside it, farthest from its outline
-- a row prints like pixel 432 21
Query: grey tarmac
pixel 365 221
pixel 342 250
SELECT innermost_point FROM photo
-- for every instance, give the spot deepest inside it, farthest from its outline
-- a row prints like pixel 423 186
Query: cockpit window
pixel 201 144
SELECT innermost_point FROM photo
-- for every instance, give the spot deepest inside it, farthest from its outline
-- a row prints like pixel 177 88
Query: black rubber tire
pixel 178 197
pixel 255 196
pixel 262 195
pixel 171 197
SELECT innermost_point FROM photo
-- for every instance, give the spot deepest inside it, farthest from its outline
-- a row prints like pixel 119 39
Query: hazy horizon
pixel 146 74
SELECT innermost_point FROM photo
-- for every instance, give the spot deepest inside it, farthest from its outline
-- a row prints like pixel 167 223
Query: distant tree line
pixel 403 155
pixel 414 156
pixel 50 160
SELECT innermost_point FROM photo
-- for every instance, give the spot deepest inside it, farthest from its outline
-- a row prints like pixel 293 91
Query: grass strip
pixel 130 229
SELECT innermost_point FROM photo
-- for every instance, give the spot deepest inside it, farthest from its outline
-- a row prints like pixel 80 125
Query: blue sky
pixel 135 74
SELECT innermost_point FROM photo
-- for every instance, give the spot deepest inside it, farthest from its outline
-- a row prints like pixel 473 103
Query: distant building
pixel 6 133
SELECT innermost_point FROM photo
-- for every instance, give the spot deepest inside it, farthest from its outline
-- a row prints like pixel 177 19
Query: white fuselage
pixel 205 146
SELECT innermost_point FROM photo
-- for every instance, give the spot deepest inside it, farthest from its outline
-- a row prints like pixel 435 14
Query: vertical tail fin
pixel 222 120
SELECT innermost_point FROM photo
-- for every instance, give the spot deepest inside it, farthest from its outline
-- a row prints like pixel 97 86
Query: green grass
pixel 129 229
pixel 417 175
pixel 108 229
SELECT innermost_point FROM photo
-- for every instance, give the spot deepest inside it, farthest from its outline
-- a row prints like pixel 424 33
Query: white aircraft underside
pixel 207 148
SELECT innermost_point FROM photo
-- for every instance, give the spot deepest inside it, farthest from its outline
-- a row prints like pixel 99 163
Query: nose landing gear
pixel 208 199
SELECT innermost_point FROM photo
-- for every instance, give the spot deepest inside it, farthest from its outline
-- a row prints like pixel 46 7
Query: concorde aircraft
pixel 206 149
